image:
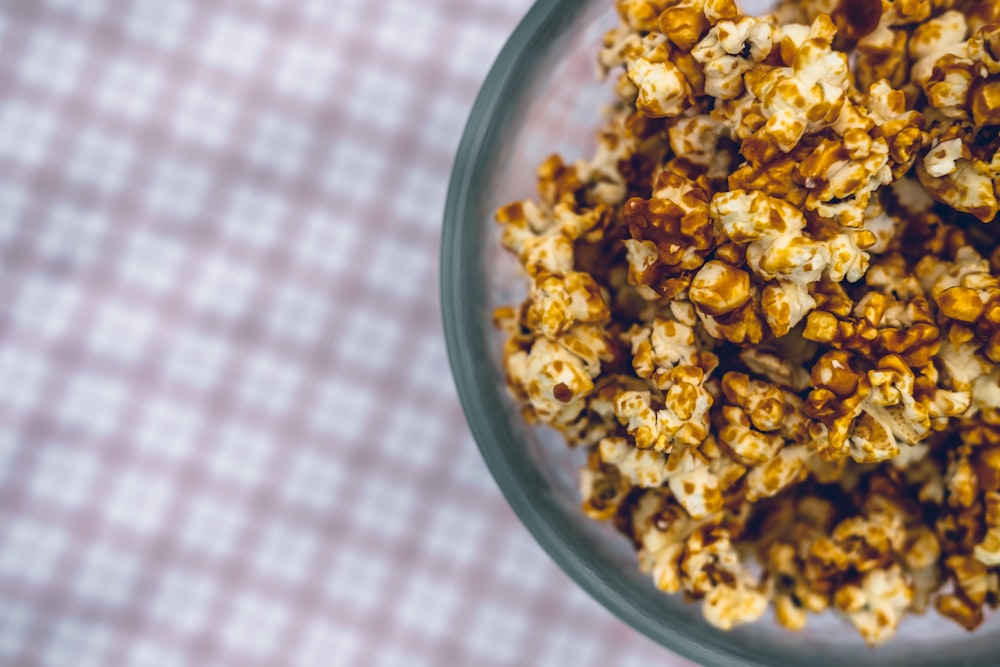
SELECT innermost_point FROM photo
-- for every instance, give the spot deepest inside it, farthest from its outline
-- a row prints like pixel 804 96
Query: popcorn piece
pixel 788 467
pixel 974 585
pixel 718 288
pixel 987 552
pixel 664 346
pixel 663 89
pixel 777 368
pixel 670 232
pixel 660 528
pixel 943 158
pixel 967 188
pixel 779 248
pixel 643 468
pixel 726 606
pixel 729 50
pixel 939 37
pixel 640 15
pixel 603 490
pixel 556 376
pixel 876 606
pixel 559 302
pixel 694 483
pixel 799 99
pixel 683 419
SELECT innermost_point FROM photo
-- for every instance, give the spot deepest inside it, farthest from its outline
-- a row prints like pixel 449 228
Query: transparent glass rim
pixel 463 297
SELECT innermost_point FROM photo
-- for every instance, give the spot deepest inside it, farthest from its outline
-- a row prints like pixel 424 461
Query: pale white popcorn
pixel 643 467
pixel 557 375
pixel 796 33
pixel 878 604
pixel 785 304
pixel 696 138
pixel 962 364
pixel 542 238
pixel 661 546
pixel 729 50
pixel 775 367
pixel 726 606
pixel 986 390
pixel 696 487
pixel 662 346
pixel 881 225
pixel 941 36
pixel 942 159
pixel 912 196
pixel 555 380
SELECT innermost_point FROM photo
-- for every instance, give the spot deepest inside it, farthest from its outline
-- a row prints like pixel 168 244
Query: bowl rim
pixel 458 292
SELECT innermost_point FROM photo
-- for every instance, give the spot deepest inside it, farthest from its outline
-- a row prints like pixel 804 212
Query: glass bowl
pixel 542 96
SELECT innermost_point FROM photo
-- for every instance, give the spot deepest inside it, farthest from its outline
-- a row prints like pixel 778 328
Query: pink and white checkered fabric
pixel 228 432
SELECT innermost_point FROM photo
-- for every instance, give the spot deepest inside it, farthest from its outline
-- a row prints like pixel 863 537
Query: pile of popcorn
pixel 769 306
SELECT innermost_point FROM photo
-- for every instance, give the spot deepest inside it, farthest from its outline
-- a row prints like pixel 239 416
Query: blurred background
pixel 228 431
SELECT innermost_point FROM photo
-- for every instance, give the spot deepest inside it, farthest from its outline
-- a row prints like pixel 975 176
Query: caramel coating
pixel 768 307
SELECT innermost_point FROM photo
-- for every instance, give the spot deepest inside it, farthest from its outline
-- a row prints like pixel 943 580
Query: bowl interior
pixel 541 97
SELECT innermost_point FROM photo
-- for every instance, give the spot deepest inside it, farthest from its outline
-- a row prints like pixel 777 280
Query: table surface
pixel 228 431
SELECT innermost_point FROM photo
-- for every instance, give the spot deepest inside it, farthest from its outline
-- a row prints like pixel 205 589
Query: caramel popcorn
pixel 768 310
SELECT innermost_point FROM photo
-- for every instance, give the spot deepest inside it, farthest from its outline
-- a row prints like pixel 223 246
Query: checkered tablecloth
pixel 228 432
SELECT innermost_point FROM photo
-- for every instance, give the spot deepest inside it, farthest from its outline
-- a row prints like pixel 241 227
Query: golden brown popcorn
pixel 869 415
pixel 802 98
pixel 719 288
pixel 728 605
pixel 984 47
pixel 893 318
pixel 664 345
pixel 642 467
pixel 685 22
pixel 975 584
pixel 559 302
pixel 602 488
pixel 987 552
pixel 765 310
pixel 641 15
pixel 876 605
pixel 882 53
pixel 671 232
